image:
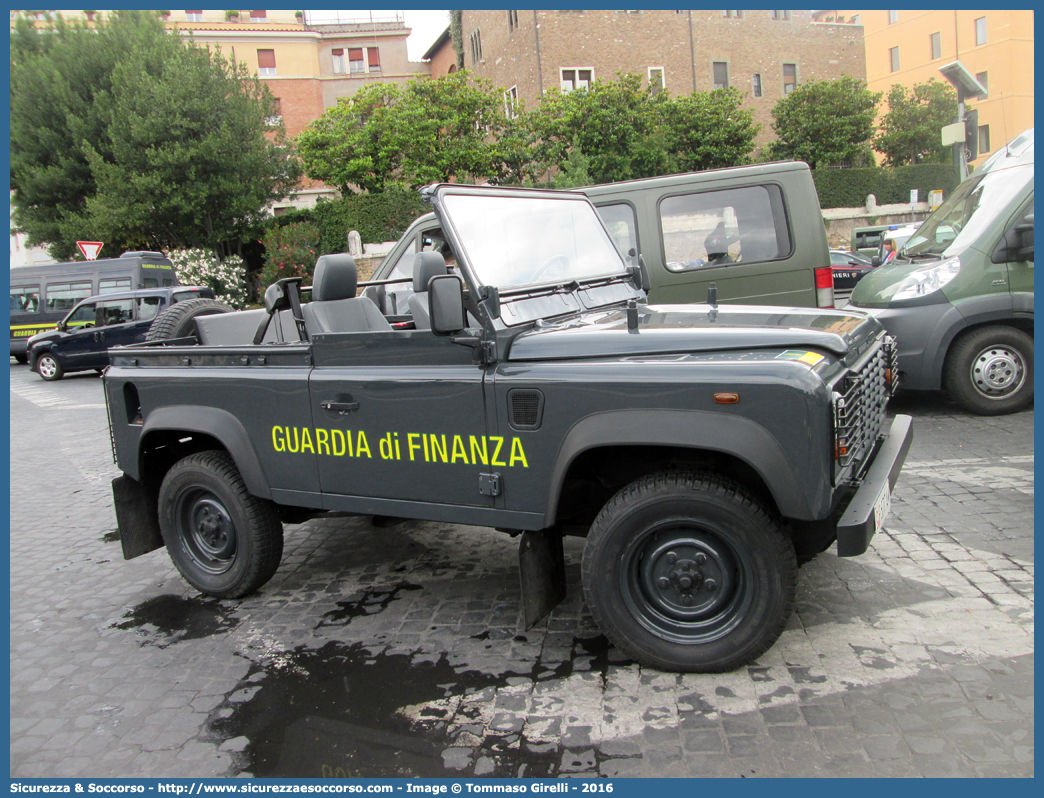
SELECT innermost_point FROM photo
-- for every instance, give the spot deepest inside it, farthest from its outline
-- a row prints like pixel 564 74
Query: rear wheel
pixel 179 320
pixel 688 572
pixel 21 359
pixel 990 371
pixel 49 367
pixel 225 542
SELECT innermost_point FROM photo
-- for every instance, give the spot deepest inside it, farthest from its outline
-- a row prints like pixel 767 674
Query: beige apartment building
pixel 908 47
pixel 763 53
pixel 307 66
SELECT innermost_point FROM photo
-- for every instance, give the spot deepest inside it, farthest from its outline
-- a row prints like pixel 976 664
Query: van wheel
pixel 49 367
pixel 225 542
pixel 990 371
pixel 688 572
pixel 21 359
pixel 179 320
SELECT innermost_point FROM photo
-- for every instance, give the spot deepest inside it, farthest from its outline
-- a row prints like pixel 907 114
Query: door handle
pixel 341 408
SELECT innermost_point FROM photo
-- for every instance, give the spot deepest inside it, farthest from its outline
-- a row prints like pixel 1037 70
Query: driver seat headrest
pixel 425 266
pixel 336 277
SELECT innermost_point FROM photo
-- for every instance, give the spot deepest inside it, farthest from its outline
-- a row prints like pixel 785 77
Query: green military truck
pixel 703 450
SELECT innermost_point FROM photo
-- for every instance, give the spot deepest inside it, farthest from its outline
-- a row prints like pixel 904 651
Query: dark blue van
pixel 83 338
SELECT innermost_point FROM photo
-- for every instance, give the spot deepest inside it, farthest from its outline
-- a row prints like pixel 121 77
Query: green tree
pixel 125 133
pixel 615 123
pixel 911 128
pixel 825 123
pixel 624 129
pixel 422 132
pixel 709 130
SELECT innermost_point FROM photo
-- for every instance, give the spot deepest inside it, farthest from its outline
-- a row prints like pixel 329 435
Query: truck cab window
pixel 623 228
pixel 719 228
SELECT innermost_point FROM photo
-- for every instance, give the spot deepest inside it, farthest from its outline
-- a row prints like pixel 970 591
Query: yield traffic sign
pixel 90 249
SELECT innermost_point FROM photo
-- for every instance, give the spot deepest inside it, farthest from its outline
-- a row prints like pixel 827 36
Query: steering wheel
pixel 547 264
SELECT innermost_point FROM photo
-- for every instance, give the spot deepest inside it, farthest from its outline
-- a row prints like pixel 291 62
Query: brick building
pixel 908 47
pixel 762 53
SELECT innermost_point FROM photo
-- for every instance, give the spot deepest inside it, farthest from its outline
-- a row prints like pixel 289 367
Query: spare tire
pixel 179 320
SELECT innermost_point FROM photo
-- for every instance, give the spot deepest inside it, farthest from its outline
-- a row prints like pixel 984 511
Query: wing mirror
pixel 875 260
pixel 446 304
pixel 1017 244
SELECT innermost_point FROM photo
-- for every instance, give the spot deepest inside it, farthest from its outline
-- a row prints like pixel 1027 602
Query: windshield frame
pixel 438 194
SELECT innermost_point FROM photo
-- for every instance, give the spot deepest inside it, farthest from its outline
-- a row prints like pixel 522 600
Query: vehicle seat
pixel 334 306
pixel 425 266
pixel 237 329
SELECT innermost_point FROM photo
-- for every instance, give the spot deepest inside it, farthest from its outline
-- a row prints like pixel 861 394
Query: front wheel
pixel 225 542
pixel 49 367
pixel 990 371
pixel 688 572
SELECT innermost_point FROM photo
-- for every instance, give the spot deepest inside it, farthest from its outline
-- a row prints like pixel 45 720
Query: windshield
pixel 972 206
pixel 514 241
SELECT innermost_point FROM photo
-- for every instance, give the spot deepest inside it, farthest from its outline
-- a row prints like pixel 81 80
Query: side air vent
pixel 525 408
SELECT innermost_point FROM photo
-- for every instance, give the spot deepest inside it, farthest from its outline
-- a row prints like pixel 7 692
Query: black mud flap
pixel 136 517
pixel 541 564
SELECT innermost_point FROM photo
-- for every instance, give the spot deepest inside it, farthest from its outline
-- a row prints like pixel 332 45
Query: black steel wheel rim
pixel 687 582
pixel 207 530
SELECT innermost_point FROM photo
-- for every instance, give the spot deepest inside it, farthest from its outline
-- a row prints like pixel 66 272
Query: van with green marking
pixel 959 298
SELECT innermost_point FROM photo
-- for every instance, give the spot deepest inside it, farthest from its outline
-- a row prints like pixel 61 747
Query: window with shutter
pixel 337 57
pixel 355 60
pixel 373 57
pixel 266 62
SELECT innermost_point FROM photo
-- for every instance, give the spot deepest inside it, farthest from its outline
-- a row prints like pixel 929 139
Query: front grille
pixel 859 403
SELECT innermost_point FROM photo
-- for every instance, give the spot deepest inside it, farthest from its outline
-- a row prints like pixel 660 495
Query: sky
pixel 426 24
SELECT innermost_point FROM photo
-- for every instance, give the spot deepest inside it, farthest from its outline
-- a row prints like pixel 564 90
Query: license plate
pixel 881 508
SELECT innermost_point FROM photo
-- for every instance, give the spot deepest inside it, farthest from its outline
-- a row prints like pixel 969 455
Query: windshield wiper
pixel 570 285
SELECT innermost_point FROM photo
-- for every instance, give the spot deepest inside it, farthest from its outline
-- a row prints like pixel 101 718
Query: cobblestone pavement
pixel 399 650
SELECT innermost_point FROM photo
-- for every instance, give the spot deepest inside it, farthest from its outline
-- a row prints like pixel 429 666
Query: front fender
pixel 219 424
pixel 695 429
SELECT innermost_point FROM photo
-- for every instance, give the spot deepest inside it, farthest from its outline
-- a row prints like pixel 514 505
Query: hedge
pixel 848 188
pixel 377 217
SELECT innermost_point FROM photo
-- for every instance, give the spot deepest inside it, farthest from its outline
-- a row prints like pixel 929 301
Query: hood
pixel 46 335
pixel 666 329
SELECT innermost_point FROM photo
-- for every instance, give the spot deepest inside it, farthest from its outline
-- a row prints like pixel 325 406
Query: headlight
pixel 928 279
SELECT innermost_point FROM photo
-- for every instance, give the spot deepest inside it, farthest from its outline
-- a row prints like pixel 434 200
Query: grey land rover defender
pixel 702 450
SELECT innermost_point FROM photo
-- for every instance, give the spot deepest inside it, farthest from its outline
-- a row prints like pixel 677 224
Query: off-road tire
pixel 225 542
pixel 665 528
pixel 989 371
pixel 179 320
pixel 48 367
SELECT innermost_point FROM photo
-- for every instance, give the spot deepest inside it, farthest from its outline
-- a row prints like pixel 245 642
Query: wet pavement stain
pixel 335 711
pixel 165 620
pixel 373 600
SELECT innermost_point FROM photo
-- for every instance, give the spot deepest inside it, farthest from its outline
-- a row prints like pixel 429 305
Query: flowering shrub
pixel 201 267
pixel 290 251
